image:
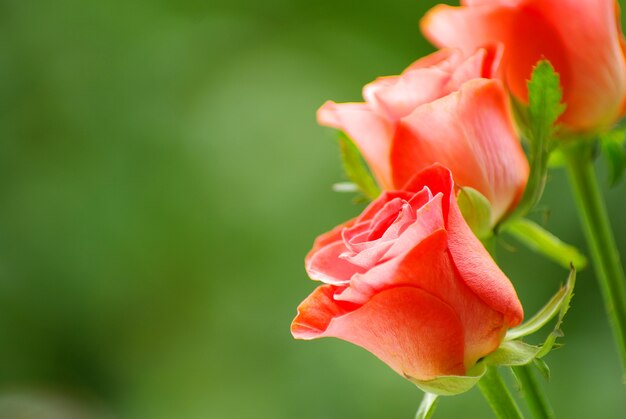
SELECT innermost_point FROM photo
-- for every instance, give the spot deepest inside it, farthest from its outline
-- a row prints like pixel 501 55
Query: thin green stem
pixel 427 407
pixel 604 253
pixel 533 393
pixel 498 396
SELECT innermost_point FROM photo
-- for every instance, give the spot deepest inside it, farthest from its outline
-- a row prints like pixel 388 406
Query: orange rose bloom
pixel 408 281
pixel 581 38
pixel 442 109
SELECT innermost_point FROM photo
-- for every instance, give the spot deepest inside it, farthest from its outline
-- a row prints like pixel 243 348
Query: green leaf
pixel 541 241
pixel 557 332
pixel 476 210
pixel 428 406
pixel 355 168
pixel 452 384
pixel 513 353
pixel 548 312
pixel 614 153
pixel 538 122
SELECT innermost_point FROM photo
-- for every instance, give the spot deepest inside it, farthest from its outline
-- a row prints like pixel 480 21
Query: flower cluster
pixel 407 279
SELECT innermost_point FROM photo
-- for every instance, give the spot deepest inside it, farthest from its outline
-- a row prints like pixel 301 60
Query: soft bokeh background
pixel 161 178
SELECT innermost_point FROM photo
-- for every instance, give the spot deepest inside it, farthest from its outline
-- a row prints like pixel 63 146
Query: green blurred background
pixel 162 177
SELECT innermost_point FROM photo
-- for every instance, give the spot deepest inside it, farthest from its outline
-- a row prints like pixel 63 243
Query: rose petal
pixel 437 179
pixel 446 59
pixel 373 208
pixel 581 38
pixel 332 236
pixel 413 332
pixel 420 263
pixel 385 217
pixel 474 264
pixel 479 271
pixel 467 28
pixel 483 64
pixel 428 219
pixel 370 132
pixel 397 96
pixel 588 34
pixel 328 266
pixel 316 312
pixel 470 133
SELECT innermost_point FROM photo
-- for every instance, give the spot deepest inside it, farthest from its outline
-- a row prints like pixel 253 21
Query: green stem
pixel 498 396
pixel 600 239
pixel 533 393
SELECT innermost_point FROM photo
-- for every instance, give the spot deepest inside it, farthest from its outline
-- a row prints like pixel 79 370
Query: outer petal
pixel 428 79
pixel 485 318
pixel 474 264
pixel 479 271
pixel 416 334
pixel 467 28
pixel 471 133
pixel 446 59
pixel 370 132
pixel 397 96
pixel 589 33
pixel 316 312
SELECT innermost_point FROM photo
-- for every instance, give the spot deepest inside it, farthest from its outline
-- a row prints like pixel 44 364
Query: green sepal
pixel 451 385
pixel 612 144
pixel 520 113
pixel 538 121
pixel 555 306
pixel 356 169
pixel 545 97
pixel 542 241
pixel 550 342
pixel 513 353
pixel 543 368
pixel 428 406
pixel 476 210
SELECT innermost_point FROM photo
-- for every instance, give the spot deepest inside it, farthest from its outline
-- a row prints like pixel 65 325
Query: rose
pixel 439 110
pixel 581 38
pixel 408 281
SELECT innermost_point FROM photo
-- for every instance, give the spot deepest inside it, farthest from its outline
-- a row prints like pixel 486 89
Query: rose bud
pixel 581 38
pixel 408 281
pixel 442 109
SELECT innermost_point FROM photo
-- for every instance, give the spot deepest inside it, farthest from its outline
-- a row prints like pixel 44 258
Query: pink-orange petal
pixel 479 271
pixel 370 132
pixel 416 334
pixel 471 133
pixel 328 266
pixel 467 28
